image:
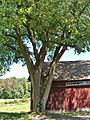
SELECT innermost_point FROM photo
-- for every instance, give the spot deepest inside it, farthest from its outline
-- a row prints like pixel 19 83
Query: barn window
pixel 77 83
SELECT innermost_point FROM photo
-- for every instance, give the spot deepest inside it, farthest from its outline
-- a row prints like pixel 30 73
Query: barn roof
pixel 72 70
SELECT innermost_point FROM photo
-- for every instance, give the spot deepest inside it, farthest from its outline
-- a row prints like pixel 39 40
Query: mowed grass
pixel 20 111
pixel 85 115
pixel 13 116
pixel 14 111
pixel 17 107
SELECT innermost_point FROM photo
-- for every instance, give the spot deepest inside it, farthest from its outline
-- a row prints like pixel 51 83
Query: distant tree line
pixel 12 88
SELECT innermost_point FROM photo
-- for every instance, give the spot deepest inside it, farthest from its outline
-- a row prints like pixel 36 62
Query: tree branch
pixel 32 39
pixel 42 54
pixel 60 54
pixel 13 36
pixel 43 51
pixel 24 50
pixel 83 9
pixel 80 13
pixel 59 46
pixel 52 66
pixel 10 35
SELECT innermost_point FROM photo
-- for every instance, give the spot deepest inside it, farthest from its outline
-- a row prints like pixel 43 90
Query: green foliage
pixel 48 19
pixel 12 88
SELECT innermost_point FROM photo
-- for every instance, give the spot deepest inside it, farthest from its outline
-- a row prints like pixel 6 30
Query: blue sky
pixel 70 55
pixel 18 71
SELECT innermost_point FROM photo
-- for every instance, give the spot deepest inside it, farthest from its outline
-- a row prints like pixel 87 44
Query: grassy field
pixel 51 116
pixel 68 115
pixel 15 105
pixel 20 111
pixel 14 110
pixel 13 116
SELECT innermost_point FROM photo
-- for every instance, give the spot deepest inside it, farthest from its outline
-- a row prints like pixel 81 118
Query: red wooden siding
pixel 68 99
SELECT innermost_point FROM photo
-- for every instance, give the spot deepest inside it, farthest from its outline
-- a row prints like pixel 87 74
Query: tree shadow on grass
pixel 13 116
pixel 66 116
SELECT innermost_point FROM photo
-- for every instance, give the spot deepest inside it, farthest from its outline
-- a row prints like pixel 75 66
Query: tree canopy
pixel 57 23
pixel 31 30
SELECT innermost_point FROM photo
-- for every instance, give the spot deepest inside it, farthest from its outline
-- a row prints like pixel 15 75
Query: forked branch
pixel 32 39
pixel 24 50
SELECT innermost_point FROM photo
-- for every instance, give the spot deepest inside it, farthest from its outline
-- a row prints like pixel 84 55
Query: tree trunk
pixel 48 87
pixel 39 101
pixel 45 95
pixel 36 97
pixel 39 91
pixel 36 90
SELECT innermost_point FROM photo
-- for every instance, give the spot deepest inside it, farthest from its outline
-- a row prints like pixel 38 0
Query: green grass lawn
pixel 15 110
pixel 51 116
pixel 13 116
pixel 20 111
pixel 68 115
pixel 17 107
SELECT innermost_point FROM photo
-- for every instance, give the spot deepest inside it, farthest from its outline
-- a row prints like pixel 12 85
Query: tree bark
pixel 45 95
pixel 48 86
pixel 36 77
pixel 40 92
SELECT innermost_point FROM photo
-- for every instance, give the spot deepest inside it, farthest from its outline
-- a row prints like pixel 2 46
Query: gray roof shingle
pixel 72 70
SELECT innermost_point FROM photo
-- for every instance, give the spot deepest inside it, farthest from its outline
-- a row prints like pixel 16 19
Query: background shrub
pixel 12 88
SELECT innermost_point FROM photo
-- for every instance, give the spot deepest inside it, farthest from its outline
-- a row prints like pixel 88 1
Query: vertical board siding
pixel 68 99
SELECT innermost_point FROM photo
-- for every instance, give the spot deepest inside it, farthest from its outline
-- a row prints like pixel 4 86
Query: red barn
pixel 70 90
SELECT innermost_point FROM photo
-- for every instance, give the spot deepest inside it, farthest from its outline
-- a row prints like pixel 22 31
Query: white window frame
pixel 77 83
